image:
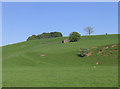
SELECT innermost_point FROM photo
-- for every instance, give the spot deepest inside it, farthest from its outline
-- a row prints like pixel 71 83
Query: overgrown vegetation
pixel 74 36
pixel 83 52
pixel 45 35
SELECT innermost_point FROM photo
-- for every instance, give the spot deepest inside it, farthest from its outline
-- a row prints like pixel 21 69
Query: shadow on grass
pixel 81 55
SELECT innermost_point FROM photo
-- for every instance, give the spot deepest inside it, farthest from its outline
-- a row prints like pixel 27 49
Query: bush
pixel 74 36
pixel 33 37
pixel 83 52
pixel 56 34
pixel 45 35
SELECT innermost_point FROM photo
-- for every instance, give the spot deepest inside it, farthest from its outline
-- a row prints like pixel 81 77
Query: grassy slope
pixel 23 64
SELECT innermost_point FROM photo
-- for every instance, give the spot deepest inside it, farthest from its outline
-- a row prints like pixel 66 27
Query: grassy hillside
pixel 50 63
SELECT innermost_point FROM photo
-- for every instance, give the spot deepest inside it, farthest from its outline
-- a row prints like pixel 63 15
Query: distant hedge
pixel 45 35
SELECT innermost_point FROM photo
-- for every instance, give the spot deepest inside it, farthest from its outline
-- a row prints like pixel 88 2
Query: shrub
pixel 45 35
pixel 33 37
pixel 56 34
pixel 74 36
pixel 83 52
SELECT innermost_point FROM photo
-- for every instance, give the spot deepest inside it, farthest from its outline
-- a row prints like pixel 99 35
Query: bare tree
pixel 89 30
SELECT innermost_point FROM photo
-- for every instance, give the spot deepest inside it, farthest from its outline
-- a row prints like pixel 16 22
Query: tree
pixel 45 35
pixel 56 34
pixel 89 30
pixel 33 37
pixel 38 36
pixel 74 36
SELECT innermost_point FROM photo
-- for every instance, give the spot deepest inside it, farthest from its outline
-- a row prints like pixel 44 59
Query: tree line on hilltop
pixel 45 35
pixel 73 37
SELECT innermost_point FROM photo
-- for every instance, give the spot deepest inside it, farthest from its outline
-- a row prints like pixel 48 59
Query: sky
pixel 23 19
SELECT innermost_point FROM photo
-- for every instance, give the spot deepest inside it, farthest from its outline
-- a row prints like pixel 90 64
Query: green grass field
pixel 50 63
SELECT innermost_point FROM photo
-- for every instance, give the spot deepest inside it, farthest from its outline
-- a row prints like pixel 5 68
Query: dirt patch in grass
pixel 96 63
pixel 101 51
pixel 104 55
pixel 94 66
pixel 88 54
pixel 105 48
pixel 42 55
pixel 114 45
